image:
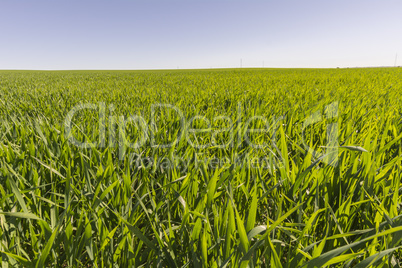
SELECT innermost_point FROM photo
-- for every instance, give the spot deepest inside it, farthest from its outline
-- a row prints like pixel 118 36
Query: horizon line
pixel 211 68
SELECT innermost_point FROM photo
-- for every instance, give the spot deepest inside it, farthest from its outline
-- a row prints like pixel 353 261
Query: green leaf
pixel 354 148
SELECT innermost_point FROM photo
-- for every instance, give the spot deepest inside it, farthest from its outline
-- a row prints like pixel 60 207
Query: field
pixel 201 168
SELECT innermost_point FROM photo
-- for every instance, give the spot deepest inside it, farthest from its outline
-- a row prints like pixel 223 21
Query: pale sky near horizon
pixel 171 34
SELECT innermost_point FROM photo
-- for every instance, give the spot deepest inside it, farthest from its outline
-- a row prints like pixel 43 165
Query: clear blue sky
pixel 143 34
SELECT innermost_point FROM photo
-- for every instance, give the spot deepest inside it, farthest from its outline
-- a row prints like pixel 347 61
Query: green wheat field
pixel 201 168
